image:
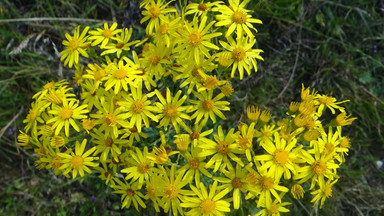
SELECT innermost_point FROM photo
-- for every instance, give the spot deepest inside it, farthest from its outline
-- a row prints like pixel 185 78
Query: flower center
pixel 239 17
pixel 280 157
pixel 211 82
pixel 107 33
pixel 163 28
pixel 208 105
pixel 73 44
pixel 134 129
pixel 207 206
pixel 222 147
pixel 109 119
pixel 170 111
pixel 171 191
pixel 236 182
pixel 41 151
pixel 238 54
pixel 202 7
pixel 319 168
pixel 109 142
pixel 130 192
pixel 245 142
pixel 66 113
pixel 194 39
pixel 99 74
pixel 143 167
pixel 32 115
pixel 251 178
pixel 327 191
pixel 56 162
pixel 194 135
pixel 267 183
pixel 142 72
pixel 273 209
pixel 120 73
pixel 138 106
pixel 154 11
pixel 120 45
pixel 194 163
pixel 77 161
pixel 155 60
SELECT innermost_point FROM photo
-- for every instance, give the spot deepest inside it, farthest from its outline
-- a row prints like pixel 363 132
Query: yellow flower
pixel 227 89
pixel 133 134
pixel 273 208
pixel 195 39
pixel 280 157
pixel 235 182
pixel 221 150
pixel 144 76
pixel 318 168
pixel 65 115
pixel 323 192
pixel 122 43
pixel 172 111
pixel 156 59
pixel 103 35
pixel 79 161
pixel 110 118
pixel 161 155
pixel 243 56
pixel 206 203
pixel 244 141
pixel 195 165
pixel 154 12
pixel 139 166
pixel 253 113
pixel 120 76
pixel 23 139
pixel 236 17
pixel 266 186
pixel 208 107
pixel 130 194
pixel 343 119
pixel 297 191
pixel 33 117
pixel 201 8
pixel 139 108
pixel 74 45
pixel 330 102
pixel 170 187
pixel 166 32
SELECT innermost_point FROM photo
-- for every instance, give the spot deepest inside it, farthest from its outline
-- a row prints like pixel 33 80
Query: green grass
pixel 336 48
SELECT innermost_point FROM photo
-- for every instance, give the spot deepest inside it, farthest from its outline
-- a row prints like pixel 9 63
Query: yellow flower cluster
pixel 147 122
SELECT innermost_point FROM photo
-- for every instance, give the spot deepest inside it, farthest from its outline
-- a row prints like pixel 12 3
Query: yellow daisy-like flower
pixel 323 193
pixel 297 191
pixel 266 186
pixel 236 17
pixel 154 12
pixel 244 141
pixel 103 35
pixel 243 56
pixel 329 102
pixel 235 182
pixel 144 76
pixel 161 155
pixel 194 40
pixel 96 73
pixel 166 32
pixel 140 166
pixel 130 194
pixel 273 208
pixel 170 187
pixel 207 106
pixel 79 161
pixel 220 149
pixel 65 115
pixel 33 117
pixel 139 108
pixel 206 204
pixel 318 168
pixel 172 111
pixel 201 8
pixel 75 45
pixel 195 165
pixel 107 145
pixel 133 134
pixel 280 157
pixel 155 60
pixel 122 43
pixel 120 76
pixel 110 118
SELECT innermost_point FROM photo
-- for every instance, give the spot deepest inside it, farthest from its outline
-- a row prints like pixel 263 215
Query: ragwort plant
pixel 142 121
